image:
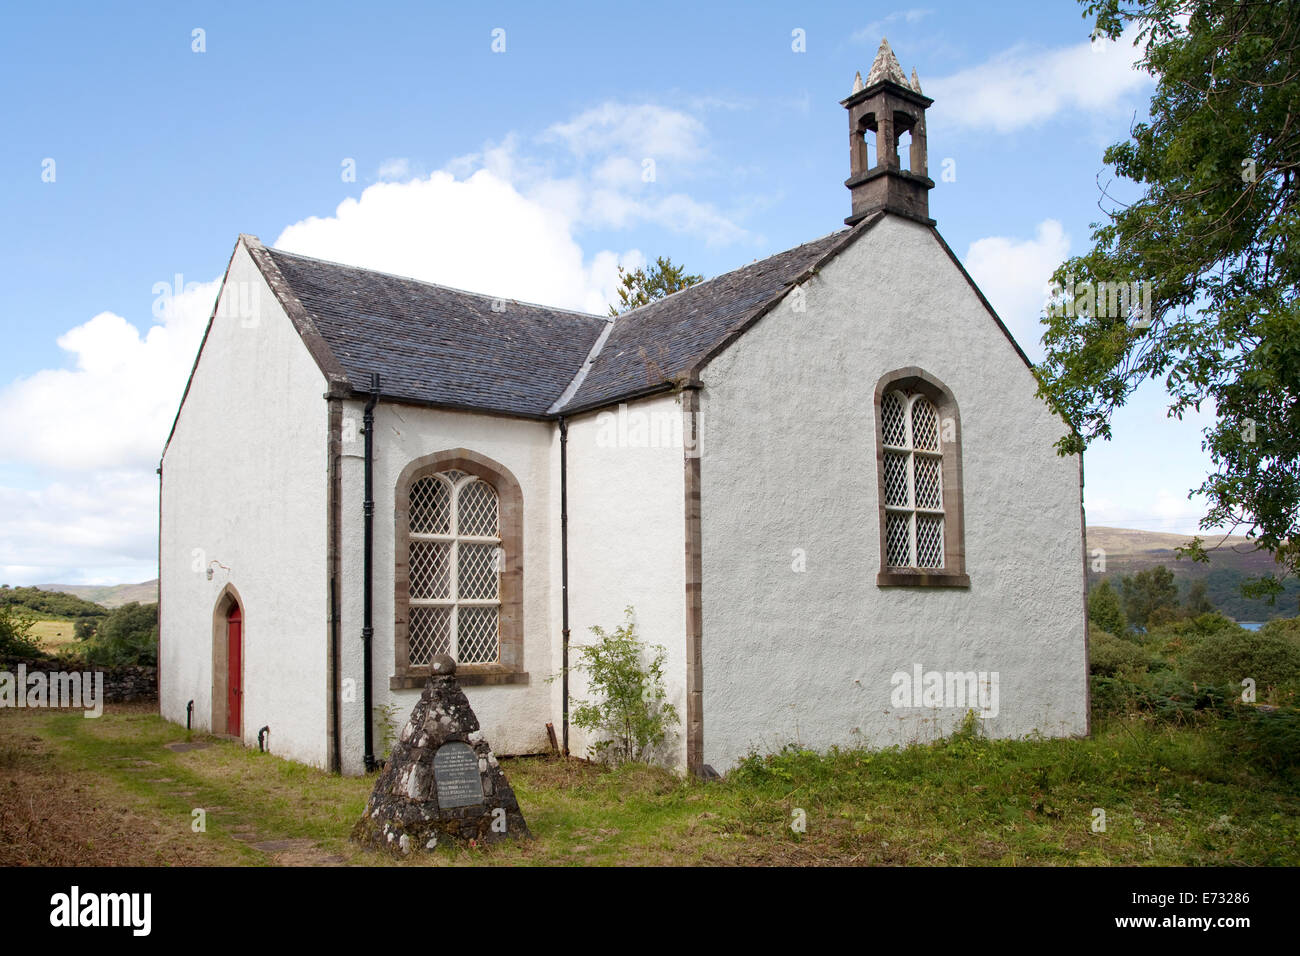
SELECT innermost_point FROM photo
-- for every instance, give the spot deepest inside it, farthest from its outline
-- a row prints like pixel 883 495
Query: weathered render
pixel 243 496
pixel 807 656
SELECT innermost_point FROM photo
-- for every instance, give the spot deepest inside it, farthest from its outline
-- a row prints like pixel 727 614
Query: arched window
pixel 455 560
pixel 919 477
pixel 913 487
pixel 459 575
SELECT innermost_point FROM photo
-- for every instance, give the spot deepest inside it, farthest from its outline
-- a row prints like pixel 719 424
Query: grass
pixel 111 791
pixel 54 634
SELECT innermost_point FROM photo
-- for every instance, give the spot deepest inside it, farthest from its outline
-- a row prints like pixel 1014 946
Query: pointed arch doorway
pixel 234 671
pixel 228 664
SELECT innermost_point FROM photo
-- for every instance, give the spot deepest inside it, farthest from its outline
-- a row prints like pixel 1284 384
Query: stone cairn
pixel 442 783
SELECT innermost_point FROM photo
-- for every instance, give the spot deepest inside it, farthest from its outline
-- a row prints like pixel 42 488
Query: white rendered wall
pixel 244 484
pixel 512 716
pixel 627 544
pixel 790 463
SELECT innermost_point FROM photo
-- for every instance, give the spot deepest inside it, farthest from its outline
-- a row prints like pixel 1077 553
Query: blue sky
pixel 515 172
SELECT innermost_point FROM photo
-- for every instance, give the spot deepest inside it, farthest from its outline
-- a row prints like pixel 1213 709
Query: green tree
pixel 128 635
pixel 640 287
pixel 1105 611
pixel 1209 235
pixel 1198 598
pixel 631 713
pixel 1148 592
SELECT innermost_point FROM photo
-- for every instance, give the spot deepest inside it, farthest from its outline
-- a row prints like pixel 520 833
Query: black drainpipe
pixel 264 739
pixel 564 577
pixel 337 750
pixel 189 716
pixel 367 625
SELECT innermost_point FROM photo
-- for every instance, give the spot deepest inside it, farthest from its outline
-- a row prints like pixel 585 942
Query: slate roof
pixel 442 346
pixel 439 345
pixel 665 339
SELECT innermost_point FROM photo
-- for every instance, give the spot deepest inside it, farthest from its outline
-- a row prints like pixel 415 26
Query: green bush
pixel 1224 659
pixel 127 635
pixel 1197 628
pixel 16 638
pixel 631 713
pixel 1287 627
pixel 1112 655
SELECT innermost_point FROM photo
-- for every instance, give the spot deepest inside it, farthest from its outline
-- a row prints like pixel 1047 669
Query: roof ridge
pixel 436 285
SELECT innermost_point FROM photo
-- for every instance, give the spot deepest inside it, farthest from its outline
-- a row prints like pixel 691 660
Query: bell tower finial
pixel 887 106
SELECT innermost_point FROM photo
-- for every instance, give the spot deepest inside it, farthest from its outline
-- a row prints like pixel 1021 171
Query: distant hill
pixel 109 595
pixel 1129 551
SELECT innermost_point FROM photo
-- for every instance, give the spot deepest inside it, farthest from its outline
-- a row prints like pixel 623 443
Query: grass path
pixel 123 790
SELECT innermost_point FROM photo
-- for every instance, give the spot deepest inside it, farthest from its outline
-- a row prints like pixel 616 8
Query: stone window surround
pixel 953 573
pixel 510 668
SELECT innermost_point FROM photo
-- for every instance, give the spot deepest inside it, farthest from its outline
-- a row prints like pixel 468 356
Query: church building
pixel 822 482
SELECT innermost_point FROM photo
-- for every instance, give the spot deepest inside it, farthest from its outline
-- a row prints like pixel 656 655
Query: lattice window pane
pixel 430 506
pixel 477 502
pixel 430 633
pixel 430 570
pixel 929 541
pixel 453 476
pixel 928 482
pixel 477 572
pixel 477 635
pixel 896 480
pixel 891 421
pixel 925 425
pixel 898 539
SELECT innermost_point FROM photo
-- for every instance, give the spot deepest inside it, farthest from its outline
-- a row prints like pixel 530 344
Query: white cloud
pixel 1024 86
pixel 619 163
pixel 873 32
pixel 96 529
pixel 83 441
pixel 636 131
pixel 478 233
pixel 1014 275
pixel 397 168
pixel 113 408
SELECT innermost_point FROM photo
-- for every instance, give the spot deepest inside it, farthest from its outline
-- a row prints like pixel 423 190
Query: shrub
pixel 1225 659
pixel 1113 655
pixel 1286 627
pixel 631 712
pixel 16 638
pixel 127 635
pixel 1193 629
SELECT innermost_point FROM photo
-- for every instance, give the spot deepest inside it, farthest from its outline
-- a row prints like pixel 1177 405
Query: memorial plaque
pixel 441 783
pixel 455 772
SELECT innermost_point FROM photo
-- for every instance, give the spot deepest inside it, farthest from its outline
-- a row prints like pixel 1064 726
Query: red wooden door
pixel 235 672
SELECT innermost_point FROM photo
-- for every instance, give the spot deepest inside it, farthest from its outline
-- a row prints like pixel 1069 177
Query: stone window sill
pixel 469 675
pixel 899 578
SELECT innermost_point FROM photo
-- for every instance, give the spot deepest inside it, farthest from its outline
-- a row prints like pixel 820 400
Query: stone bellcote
pixel 887 106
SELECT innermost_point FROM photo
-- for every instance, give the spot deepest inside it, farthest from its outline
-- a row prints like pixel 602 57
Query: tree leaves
pixel 640 288
pixel 1211 235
